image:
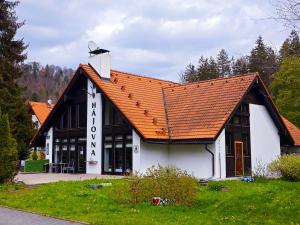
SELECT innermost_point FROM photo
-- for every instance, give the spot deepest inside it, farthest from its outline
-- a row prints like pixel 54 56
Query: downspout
pixel 213 159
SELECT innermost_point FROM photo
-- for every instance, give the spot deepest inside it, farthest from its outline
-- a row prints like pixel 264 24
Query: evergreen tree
pixel 11 57
pixel 263 60
pixel 240 66
pixel 189 75
pixel 223 63
pixel 207 69
pixel 291 46
pixel 286 89
pixel 8 151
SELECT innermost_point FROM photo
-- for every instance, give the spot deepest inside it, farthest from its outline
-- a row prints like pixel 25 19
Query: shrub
pixel 8 151
pixel 169 182
pixel 215 186
pixel 287 166
pixel 261 170
pixel 34 155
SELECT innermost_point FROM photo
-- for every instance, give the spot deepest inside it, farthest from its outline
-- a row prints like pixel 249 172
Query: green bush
pixel 8 151
pixel 287 166
pixel 169 182
pixel 34 155
pixel 215 186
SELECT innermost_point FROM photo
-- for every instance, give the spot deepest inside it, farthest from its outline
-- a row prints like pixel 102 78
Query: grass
pixel 263 202
pixel 35 165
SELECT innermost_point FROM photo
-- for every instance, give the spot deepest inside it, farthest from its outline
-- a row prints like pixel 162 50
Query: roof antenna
pixel 94 49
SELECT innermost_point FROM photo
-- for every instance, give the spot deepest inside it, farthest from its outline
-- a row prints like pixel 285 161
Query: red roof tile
pixel 40 109
pixel 199 110
pixel 294 131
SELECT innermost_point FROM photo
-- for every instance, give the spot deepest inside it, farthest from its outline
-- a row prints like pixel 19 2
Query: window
pixel 47 149
pixel 65 119
pixel 82 115
pixel 228 137
pixel 108 115
pixel 73 116
pixel 118 118
pixel 236 120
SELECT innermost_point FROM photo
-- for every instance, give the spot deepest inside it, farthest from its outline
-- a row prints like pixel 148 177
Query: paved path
pixel 10 216
pixel 40 178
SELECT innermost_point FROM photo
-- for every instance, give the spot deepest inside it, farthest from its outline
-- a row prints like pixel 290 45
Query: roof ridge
pixel 139 75
pixel 216 79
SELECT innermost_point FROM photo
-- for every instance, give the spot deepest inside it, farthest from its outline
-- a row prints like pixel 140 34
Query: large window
pixel 82 114
pixel 112 116
pixel 73 115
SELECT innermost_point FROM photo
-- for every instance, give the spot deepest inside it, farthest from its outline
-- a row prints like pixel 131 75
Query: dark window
pixel 65 119
pixel 228 141
pixel 108 115
pixel 246 144
pixel 118 118
pixel 73 116
pixel 58 123
pixel 82 115
pixel 236 120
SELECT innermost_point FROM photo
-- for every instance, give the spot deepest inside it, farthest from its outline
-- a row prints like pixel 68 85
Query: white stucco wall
pixel 136 153
pixel 220 156
pixel 153 154
pixel 94 130
pixel 49 145
pixel 265 140
pixel 191 157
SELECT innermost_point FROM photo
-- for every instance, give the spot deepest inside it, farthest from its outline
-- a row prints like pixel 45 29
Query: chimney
pixel 99 59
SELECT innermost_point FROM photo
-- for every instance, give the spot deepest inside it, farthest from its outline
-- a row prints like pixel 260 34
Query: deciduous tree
pixel 286 89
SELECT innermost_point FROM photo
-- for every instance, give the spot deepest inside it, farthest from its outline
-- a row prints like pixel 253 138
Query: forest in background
pixel 41 83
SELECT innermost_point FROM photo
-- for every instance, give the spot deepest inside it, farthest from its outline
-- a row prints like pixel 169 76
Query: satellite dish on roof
pixel 92 46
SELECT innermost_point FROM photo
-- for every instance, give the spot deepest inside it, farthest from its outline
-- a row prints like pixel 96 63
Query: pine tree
pixel 240 66
pixel 11 57
pixel 223 63
pixel 8 151
pixel 263 60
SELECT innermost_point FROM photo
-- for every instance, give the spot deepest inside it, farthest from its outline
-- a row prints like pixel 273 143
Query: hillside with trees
pixel 41 83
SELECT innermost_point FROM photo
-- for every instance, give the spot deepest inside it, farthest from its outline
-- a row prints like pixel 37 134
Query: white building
pixel 111 122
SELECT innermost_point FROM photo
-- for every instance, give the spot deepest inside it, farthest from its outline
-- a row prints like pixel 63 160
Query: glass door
pixel 81 165
pixel 117 154
pixel 108 155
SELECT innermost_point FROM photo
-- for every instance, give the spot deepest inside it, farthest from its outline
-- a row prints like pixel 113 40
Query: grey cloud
pixel 153 37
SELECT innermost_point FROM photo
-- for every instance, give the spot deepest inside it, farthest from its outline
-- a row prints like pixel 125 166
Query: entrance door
pixel 239 158
pixel 81 157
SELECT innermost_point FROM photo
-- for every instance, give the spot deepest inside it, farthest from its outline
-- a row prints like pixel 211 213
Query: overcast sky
pixel 152 37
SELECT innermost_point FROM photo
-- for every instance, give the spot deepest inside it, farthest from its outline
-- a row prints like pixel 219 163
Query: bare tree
pixel 288 12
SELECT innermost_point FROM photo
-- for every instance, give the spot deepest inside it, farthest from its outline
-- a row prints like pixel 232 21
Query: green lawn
pixel 266 202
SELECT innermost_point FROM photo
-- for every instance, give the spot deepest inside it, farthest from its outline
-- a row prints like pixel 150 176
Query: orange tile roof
pixel 166 110
pixel 139 98
pixel 199 110
pixel 294 131
pixel 41 110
